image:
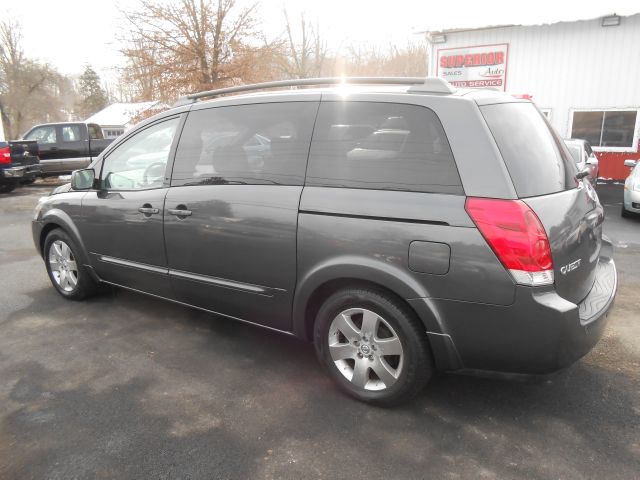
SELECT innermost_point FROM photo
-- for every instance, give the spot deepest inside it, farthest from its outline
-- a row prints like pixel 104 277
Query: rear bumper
pixel 538 334
pixel 21 172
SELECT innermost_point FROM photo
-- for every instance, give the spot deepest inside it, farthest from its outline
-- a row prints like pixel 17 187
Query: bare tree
pixel 30 92
pixel 305 52
pixel 361 60
pixel 189 45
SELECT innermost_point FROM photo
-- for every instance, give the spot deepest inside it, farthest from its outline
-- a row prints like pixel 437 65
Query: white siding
pixel 567 65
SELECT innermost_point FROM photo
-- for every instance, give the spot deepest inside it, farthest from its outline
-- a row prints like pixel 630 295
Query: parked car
pixel 584 157
pixel 18 164
pixel 631 200
pixel 67 146
pixel 470 245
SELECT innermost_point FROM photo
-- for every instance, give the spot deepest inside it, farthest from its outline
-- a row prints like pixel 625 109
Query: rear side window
pixel 535 156
pixel 381 146
pixel 263 143
pixel 71 133
pixel 94 132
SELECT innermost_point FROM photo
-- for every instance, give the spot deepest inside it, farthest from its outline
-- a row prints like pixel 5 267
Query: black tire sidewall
pixel 85 283
pixel 7 187
pixel 624 212
pixel 417 366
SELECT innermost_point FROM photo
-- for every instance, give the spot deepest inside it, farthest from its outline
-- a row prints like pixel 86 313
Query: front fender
pixel 63 220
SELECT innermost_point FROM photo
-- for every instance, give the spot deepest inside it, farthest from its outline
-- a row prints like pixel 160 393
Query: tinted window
pixel 94 132
pixel 587 125
pixel 43 134
pixel 618 129
pixel 605 128
pixel 246 144
pixel 140 162
pixel 536 158
pixel 383 146
pixel 70 133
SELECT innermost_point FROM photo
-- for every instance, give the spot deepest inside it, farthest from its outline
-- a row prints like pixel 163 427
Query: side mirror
pixel 592 161
pixel 630 163
pixel 83 179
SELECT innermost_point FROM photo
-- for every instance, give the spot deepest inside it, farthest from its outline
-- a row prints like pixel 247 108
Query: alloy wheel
pixel 64 268
pixel 366 349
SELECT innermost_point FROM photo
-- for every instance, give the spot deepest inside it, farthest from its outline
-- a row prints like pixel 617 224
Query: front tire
pixel 7 187
pixel 66 272
pixel 373 346
pixel 625 213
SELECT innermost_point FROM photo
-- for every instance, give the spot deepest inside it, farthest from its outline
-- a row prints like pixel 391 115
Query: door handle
pixel 181 211
pixel 148 210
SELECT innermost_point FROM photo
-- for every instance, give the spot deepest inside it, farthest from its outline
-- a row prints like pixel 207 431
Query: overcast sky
pixel 70 33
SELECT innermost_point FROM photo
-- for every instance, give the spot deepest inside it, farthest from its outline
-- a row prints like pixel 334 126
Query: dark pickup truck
pixel 65 147
pixel 18 163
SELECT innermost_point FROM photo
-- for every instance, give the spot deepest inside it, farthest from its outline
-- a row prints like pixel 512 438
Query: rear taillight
pixel 5 155
pixel 515 234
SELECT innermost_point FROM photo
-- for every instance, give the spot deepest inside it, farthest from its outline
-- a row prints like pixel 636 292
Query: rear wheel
pixel 67 274
pixel 372 346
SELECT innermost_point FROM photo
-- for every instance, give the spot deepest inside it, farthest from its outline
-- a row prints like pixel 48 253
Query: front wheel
pixel 373 346
pixel 67 274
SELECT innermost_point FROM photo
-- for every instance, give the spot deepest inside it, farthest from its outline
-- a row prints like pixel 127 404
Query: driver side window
pixel 141 161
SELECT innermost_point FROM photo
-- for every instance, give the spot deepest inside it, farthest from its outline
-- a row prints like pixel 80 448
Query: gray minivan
pixel 401 225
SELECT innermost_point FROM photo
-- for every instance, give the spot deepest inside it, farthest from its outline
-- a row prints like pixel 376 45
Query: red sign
pixel 483 66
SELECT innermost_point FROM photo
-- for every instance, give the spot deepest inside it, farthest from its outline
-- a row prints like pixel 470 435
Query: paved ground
pixel 125 386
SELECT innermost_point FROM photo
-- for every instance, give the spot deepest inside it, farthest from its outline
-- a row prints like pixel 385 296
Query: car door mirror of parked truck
pixel 83 179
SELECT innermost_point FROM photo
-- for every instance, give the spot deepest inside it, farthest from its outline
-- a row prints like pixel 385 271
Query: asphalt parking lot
pixel 125 386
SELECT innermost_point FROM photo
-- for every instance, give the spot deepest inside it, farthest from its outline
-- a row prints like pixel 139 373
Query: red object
pixel 513 231
pixel 522 96
pixel 611 164
pixel 5 155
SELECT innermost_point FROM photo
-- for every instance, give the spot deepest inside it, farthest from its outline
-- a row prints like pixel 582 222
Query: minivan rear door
pixel 544 176
pixel 231 214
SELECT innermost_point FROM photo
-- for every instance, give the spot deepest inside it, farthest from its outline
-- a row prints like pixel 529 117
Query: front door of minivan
pixel 232 209
pixel 122 222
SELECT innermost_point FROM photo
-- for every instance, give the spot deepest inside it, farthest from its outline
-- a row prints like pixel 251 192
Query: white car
pixel 631 202
pixel 584 157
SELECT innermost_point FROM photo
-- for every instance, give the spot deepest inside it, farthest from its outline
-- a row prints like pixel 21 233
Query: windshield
pixel 575 151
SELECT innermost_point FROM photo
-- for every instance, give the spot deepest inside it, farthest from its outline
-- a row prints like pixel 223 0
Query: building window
pixel 112 132
pixel 607 129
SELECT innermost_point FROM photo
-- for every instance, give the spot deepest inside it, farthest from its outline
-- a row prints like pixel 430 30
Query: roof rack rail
pixel 418 84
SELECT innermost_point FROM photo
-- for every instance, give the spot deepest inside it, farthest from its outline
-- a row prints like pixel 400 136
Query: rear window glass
pixel 381 146
pixel 265 143
pixel 537 160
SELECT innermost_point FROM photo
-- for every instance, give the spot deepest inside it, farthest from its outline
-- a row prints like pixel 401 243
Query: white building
pixel 584 75
pixel 119 117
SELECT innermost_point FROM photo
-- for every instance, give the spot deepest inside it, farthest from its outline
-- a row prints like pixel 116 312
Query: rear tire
pixel 373 346
pixel 67 273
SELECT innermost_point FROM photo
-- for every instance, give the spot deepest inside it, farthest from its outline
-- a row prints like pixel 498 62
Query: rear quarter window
pixel 535 156
pixel 381 146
